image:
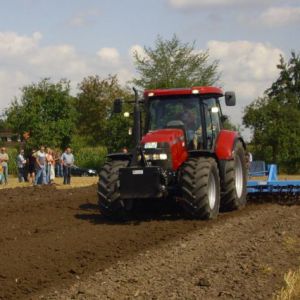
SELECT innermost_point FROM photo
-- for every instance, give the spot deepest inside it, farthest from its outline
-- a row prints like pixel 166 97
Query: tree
pixel 275 119
pixel 172 64
pixel 2 124
pixel 289 78
pixel 119 137
pixel 228 125
pixel 94 106
pixel 46 111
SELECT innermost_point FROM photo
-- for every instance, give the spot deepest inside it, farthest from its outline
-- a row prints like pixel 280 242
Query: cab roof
pixel 195 90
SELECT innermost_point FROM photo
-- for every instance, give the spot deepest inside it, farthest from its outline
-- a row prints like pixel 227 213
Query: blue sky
pixel 76 38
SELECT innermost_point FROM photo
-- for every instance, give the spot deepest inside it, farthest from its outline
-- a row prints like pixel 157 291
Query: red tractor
pixel 184 154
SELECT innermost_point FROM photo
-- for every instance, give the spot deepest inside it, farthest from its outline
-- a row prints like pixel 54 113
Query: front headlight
pixel 156 156
pixel 163 156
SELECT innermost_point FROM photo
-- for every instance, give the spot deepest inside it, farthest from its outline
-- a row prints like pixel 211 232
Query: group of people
pixel 40 166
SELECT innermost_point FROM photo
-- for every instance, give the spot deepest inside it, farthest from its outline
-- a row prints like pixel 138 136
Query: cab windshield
pixel 163 111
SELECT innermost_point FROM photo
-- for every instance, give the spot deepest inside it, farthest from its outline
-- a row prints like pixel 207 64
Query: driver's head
pixel 187 106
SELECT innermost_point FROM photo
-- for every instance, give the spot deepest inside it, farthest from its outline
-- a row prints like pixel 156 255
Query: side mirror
pixel 117 108
pixel 230 98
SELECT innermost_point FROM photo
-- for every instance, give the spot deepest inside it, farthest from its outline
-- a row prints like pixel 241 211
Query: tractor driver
pixel 193 130
pixel 188 117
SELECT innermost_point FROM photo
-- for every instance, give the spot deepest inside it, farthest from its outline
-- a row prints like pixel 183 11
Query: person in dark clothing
pixel 31 166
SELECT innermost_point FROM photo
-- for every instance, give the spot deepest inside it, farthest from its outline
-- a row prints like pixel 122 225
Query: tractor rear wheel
pixel 110 203
pixel 200 186
pixel 234 187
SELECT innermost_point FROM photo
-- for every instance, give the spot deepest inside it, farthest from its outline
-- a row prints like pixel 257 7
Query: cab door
pixel 211 113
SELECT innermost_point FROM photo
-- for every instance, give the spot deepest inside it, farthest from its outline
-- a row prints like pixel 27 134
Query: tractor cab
pixel 196 111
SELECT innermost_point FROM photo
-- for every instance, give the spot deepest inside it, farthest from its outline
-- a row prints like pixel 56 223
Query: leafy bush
pixel 12 164
pixel 90 157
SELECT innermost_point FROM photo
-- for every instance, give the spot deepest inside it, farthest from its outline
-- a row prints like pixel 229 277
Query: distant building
pixel 9 138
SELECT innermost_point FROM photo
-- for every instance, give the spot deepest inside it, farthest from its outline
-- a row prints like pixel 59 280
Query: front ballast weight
pixel 142 183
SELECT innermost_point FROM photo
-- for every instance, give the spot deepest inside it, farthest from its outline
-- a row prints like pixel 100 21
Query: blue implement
pixel 272 184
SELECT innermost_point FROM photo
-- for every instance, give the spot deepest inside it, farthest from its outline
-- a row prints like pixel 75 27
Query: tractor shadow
pixel 144 212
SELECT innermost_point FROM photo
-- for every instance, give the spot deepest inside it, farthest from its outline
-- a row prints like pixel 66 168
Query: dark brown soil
pixel 50 239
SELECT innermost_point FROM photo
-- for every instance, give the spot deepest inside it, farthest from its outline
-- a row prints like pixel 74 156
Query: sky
pixel 77 38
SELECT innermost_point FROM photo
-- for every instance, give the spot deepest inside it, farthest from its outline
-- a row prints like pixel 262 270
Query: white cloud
pixel 61 59
pixel 10 84
pixel 84 18
pixel 137 49
pixel 24 60
pixel 12 44
pixel 186 4
pixel 247 68
pixel 125 75
pixel 109 55
pixel 78 21
pixel 281 16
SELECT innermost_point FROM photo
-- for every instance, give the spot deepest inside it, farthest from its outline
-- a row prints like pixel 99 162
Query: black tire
pixel 234 186
pixel 110 203
pixel 200 186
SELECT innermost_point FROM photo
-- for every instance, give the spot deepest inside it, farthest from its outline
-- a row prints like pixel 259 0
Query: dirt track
pixel 54 243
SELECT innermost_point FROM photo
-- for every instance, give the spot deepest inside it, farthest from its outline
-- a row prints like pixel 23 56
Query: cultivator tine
pixel 286 192
pixel 289 195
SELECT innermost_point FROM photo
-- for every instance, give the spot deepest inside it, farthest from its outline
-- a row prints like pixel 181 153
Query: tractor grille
pixel 152 156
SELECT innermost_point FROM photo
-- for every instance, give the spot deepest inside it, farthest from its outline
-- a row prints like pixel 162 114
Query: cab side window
pixel 212 121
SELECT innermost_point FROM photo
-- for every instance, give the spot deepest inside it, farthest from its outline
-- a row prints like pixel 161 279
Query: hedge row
pixel 90 157
pixel 12 164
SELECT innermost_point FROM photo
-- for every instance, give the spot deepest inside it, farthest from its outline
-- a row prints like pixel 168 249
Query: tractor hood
pixel 170 136
pixel 171 142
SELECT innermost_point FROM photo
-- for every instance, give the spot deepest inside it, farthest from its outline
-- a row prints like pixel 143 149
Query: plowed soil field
pixel 54 244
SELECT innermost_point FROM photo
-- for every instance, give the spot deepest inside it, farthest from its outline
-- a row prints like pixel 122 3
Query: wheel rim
pixel 212 191
pixel 239 180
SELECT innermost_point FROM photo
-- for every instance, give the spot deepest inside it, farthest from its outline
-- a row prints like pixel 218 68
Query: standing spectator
pixel 1 173
pixel 41 166
pixel 21 163
pixel 249 159
pixel 67 160
pixel 49 164
pixel 31 166
pixel 4 158
pixel 58 164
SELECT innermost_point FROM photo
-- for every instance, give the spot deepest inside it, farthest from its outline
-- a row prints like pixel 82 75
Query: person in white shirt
pixel 67 160
pixel 41 166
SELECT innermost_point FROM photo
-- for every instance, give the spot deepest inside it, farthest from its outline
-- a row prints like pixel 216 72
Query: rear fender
pixel 225 144
pixel 224 149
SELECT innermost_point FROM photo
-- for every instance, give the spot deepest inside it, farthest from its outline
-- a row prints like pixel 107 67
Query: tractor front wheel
pixel 110 203
pixel 200 186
